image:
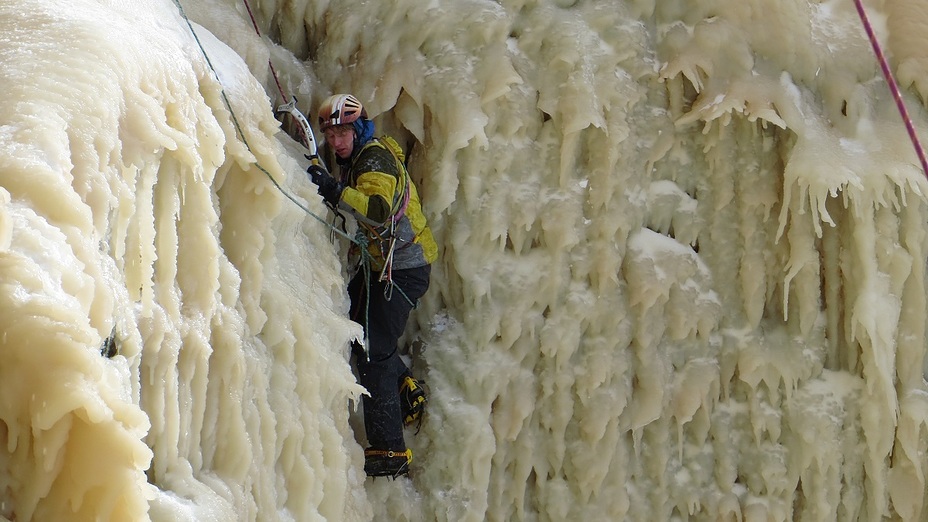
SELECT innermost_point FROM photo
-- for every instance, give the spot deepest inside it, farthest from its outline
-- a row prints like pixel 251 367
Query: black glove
pixel 316 173
pixel 329 189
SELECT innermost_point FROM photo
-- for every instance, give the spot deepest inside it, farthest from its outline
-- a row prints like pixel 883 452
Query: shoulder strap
pixel 401 197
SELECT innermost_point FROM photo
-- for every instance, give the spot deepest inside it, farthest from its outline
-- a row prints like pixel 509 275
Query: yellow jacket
pixel 380 194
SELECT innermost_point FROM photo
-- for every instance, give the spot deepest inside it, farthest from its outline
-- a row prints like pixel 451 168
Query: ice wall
pixel 134 204
pixel 681 276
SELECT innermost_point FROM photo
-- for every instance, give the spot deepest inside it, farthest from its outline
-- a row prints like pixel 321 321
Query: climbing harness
pixel 385 232
pixel 893 86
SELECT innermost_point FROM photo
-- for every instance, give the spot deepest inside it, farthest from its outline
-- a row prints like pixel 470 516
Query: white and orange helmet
pixel 340 109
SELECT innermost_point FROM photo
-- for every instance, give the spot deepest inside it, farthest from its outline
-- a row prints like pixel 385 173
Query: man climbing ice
pixel 375 188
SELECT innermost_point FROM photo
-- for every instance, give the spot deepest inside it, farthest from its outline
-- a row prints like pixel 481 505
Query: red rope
pixel 893 86
pixel 280 89
pixel 254 24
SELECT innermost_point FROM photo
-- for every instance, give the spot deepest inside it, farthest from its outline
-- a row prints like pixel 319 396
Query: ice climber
pixel 375 188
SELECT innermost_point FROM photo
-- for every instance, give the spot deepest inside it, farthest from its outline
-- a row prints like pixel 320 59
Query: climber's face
pixel 341 139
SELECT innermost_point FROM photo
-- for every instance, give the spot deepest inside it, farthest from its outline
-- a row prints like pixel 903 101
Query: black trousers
pixel 384 319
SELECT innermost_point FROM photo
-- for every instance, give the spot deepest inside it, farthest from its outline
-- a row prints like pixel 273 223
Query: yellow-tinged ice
pixel 681 276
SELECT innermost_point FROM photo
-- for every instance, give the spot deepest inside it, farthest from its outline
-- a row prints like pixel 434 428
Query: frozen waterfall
pixel 681 276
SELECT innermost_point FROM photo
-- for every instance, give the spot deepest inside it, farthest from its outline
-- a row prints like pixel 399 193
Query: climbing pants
pixel 381 369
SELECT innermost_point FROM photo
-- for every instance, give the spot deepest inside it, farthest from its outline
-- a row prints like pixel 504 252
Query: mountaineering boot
pixel 412 400
pixel 385 463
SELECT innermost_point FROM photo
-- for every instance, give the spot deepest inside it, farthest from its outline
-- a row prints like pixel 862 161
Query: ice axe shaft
pixel 290 108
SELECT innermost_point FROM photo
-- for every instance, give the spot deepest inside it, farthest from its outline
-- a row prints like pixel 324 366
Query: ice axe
pixel 313 156
pixel 290 108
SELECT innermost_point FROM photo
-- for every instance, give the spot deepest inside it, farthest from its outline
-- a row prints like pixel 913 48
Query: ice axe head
pixel 290 108
pixel 287 107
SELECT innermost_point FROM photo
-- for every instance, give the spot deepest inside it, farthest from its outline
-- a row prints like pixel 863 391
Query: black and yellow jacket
pixel 376 185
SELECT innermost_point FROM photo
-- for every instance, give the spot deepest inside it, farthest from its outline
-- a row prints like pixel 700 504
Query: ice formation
pixel 682 261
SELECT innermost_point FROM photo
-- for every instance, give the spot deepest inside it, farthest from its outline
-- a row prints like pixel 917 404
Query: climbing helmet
pixel 340 109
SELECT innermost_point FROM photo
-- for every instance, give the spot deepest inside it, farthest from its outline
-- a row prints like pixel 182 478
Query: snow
pixel 681 276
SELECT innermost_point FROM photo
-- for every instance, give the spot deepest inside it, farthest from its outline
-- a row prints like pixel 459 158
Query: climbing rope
pixel 893 86
pixel 241 133
pixel 254 23
pixel 360 240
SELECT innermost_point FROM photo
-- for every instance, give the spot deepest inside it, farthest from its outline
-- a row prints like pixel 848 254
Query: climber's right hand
pixel 317 174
